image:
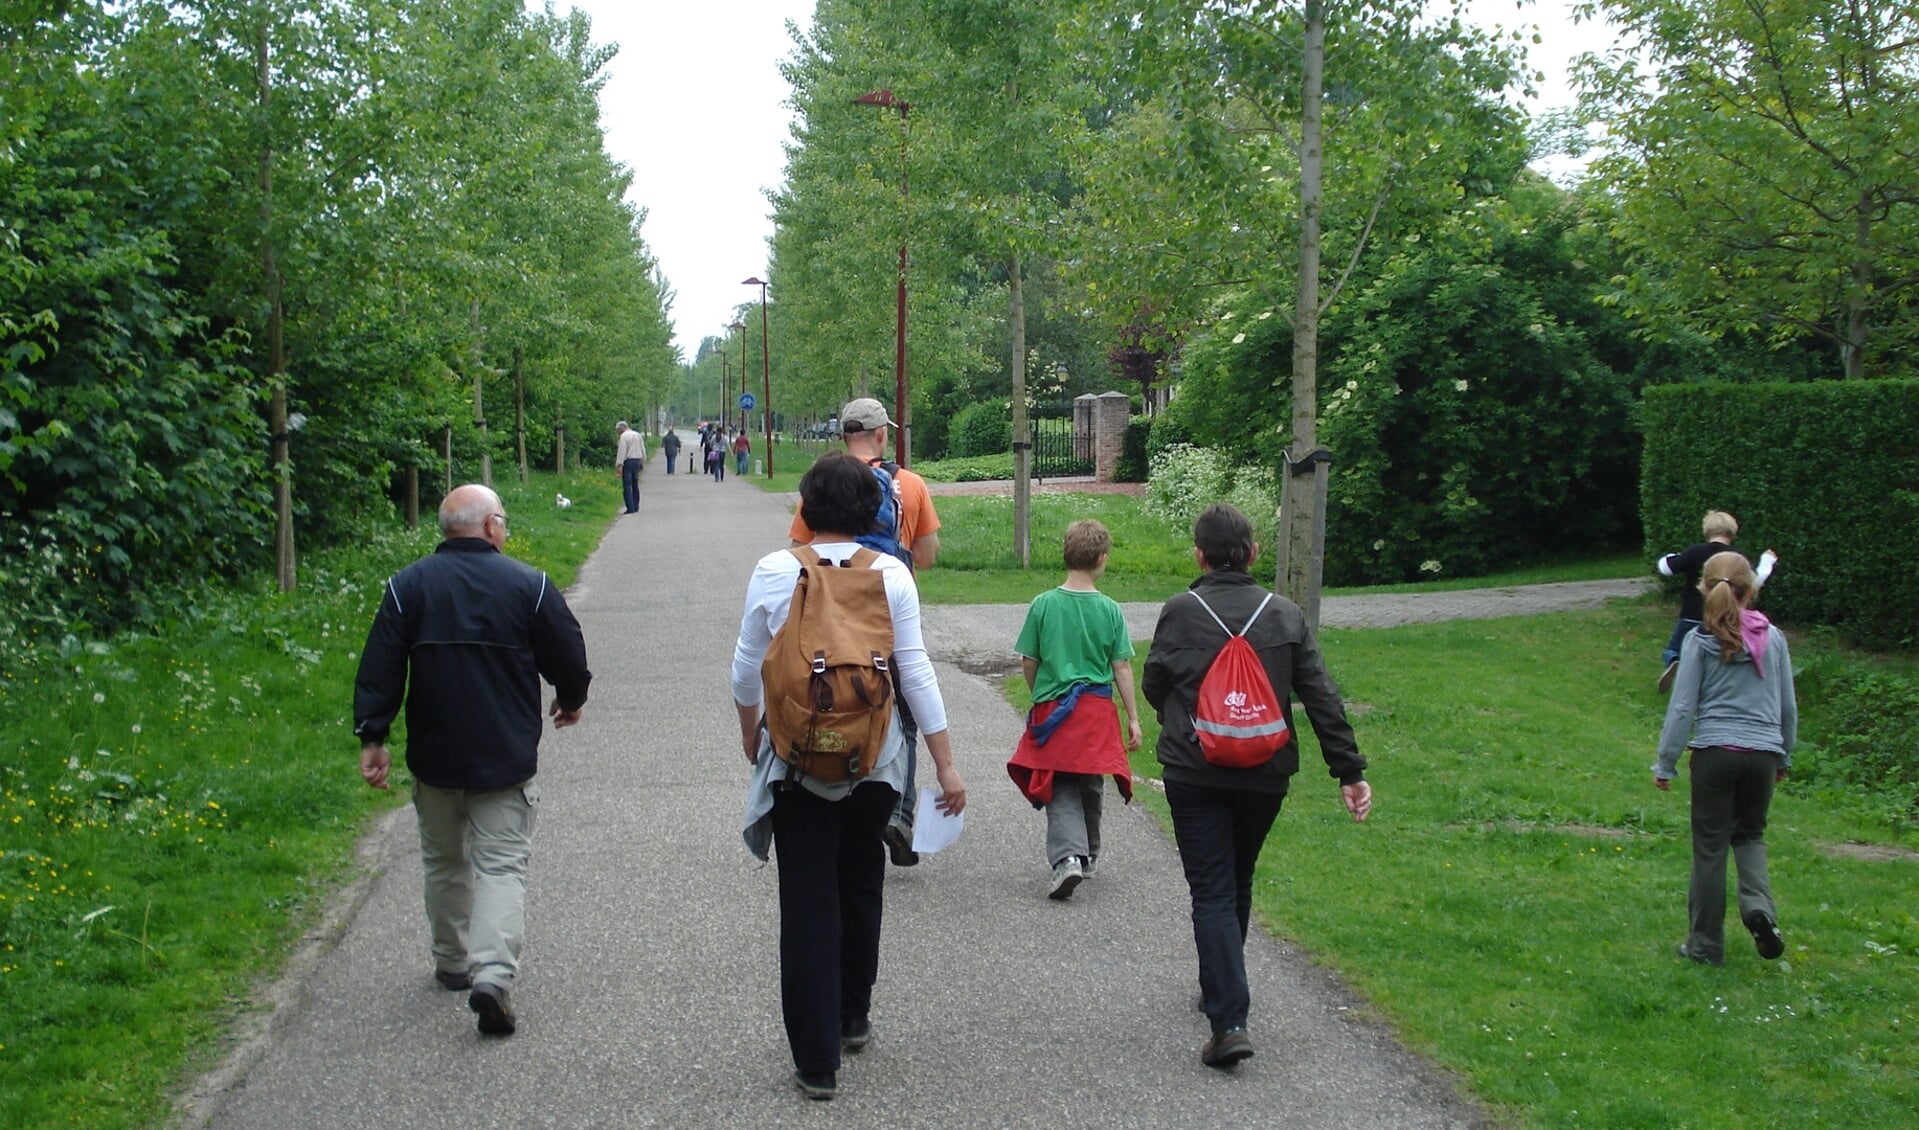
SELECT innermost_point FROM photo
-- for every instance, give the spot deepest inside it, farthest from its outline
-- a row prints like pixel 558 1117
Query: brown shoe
pixel 1226 1049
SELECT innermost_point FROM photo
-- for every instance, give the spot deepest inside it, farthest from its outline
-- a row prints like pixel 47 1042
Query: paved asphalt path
pixel 650 997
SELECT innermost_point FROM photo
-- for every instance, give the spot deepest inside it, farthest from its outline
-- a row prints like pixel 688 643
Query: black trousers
pixel 832 873
pixel 1220 832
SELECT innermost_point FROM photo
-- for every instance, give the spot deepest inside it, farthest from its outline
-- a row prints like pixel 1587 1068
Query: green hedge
pixel 984 427
pixel 1826 473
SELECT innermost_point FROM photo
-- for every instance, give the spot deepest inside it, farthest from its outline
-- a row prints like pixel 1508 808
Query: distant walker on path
pixel 631 457
pixel 463 638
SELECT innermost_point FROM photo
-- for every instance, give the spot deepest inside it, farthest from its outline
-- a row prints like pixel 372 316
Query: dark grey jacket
pixel 473 630
pixel 1184 644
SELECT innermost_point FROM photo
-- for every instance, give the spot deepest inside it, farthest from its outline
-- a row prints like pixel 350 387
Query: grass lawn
pixel 1512 907
pixel 174 809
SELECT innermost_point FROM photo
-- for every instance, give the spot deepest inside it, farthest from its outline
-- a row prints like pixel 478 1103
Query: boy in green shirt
pixel 1075 651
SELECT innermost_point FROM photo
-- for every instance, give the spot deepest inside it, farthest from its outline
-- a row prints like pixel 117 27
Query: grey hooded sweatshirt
pixel 1745 704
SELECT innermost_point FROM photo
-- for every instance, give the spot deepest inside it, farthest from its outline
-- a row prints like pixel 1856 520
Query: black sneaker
pixel 899 845
pixel 453 982
pixel 856 1034
pixel 1227 1049
pixel 1686 952
pixel 494 1009
pixel 1765 934
pixel 820 1086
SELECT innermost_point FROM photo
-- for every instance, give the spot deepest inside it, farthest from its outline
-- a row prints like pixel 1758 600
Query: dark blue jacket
pixel 473 631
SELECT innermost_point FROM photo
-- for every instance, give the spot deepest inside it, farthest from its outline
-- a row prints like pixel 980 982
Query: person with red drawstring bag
pixel 1228 749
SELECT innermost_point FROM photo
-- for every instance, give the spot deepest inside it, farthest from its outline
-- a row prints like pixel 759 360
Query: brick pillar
pixel 1111 412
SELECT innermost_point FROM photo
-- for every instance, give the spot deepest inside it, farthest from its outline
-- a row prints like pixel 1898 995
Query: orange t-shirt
pixel 917 516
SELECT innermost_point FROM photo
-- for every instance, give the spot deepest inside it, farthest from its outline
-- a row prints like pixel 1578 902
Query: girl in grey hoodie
pixel 1733 707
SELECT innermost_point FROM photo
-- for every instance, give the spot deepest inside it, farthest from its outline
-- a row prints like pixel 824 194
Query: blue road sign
pixel 747 402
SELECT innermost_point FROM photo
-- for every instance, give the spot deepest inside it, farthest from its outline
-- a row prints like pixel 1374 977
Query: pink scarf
pixel 1754 630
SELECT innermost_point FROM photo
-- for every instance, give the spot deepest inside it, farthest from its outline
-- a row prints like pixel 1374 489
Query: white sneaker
pixel 1066 875
pixel 1089 867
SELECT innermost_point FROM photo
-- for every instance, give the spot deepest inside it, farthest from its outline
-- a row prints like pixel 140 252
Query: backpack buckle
pixel 819 663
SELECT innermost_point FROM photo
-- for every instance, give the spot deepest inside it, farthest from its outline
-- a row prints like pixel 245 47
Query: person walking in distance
pixel 1221 809
pixel 912 535
pixel 670 444
pixel 631 457
pixel 1733 706
pixel 462 639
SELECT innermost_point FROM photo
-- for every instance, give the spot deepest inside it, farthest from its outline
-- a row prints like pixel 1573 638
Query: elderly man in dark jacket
pixel 1221 815
pixel 474 631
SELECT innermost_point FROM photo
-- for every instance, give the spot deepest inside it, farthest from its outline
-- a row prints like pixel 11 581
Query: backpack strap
pixel 1222 623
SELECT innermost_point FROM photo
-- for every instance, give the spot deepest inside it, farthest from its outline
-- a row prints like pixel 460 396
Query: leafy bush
pixel 1867 743
pixel 1133 465
pixel 984 427
pixel 980 468
pixel 1168 428
pixel 1801 466
pixel 1186 480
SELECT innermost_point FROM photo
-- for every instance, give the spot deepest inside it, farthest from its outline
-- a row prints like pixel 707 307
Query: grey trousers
pixel 1072 816
pixel 1731 794
pixel 475 846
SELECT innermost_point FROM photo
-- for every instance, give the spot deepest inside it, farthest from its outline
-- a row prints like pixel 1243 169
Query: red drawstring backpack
pixel 1238 718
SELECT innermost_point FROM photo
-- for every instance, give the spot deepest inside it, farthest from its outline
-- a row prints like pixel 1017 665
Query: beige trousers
pixel 475 846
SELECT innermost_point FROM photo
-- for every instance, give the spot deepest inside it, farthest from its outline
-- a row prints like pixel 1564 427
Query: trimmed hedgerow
pixel 1826 473
pixel 1132 457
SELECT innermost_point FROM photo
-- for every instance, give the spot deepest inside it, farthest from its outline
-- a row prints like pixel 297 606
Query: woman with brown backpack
pixel 829 630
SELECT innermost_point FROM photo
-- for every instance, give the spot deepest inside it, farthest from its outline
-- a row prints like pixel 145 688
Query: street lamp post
pixel 766 375
pixel 726 406
pixel 726 378
pixel 902 406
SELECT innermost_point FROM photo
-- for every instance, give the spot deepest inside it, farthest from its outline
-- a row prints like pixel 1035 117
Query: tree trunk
pixel 412 497
pixel 1300 527
pixel 449 459
pixel 285 573
pixel 519 412
pixel 1854 353
pixel 479 408
pixel 1022 435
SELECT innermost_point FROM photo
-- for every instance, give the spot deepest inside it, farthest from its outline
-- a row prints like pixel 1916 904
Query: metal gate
pixel 1062 441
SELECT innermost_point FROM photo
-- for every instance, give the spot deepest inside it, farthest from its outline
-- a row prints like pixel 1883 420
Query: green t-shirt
pixel 1076 637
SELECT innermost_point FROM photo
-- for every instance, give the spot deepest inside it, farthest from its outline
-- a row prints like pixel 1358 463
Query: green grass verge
pixel 174 809
pixel 1512 906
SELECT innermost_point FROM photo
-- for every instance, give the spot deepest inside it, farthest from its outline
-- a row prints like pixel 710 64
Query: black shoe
pixel 856 1034
pixel 820 1086
pixel 1765 934
pixel 899 845
pixel 1226 1048
pixel 1696 958
pixel 453 982
pixel 495 1011
pixel 1666 677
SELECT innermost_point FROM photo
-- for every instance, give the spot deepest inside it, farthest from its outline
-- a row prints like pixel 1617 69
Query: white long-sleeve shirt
pixel 632 446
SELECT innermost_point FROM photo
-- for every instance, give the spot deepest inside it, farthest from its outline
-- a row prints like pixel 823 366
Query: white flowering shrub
pixel 1185 480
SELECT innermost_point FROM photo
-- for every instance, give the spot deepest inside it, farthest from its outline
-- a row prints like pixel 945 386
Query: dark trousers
pixel 670 457
pixel 1731 796
pixel 832 874
pixel 1220 832
pixel 630 484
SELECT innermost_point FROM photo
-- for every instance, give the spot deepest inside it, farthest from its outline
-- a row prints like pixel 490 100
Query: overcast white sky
pixel 694 107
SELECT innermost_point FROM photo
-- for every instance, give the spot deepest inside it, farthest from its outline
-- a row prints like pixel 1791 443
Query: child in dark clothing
pixel 1719 529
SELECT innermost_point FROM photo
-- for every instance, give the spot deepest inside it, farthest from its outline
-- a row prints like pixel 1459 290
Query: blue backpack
pixel 885 535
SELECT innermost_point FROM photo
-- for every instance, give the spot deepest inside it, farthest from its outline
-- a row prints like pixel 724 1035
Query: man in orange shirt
pixel 863 426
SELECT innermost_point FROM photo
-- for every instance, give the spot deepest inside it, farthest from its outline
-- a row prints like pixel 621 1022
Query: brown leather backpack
pixel 827 674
